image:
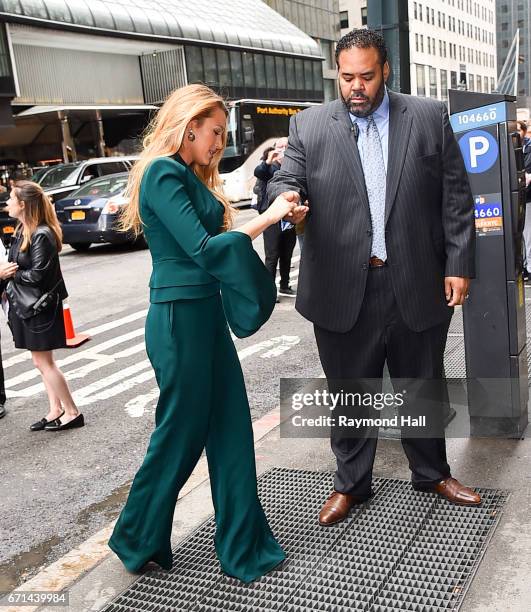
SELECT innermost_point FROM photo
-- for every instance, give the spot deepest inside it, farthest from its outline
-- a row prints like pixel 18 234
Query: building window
pixel 478 83
pixel 224 73
pixel 421 81
pixel 415 10
pixel 422 43
pixel 444 85
pixel 364 16
pixel 343 19
pixel 486 84
pixel 433 82
pixel 194 64
pixel 416 42
pixel 237 68
pixel 248 70
pixel 259 71
pixel 420 12
pixel 211 68
pixel 281 73
pixel 453 79
pixel 299 74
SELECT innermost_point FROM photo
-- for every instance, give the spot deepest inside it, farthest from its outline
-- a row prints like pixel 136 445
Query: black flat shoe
pixel 40 425
pixel 56 425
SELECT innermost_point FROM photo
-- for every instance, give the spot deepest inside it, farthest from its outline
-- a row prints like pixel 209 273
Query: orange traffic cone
pixel 72 340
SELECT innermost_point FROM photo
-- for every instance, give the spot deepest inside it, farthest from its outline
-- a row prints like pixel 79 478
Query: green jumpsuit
pixel 201 279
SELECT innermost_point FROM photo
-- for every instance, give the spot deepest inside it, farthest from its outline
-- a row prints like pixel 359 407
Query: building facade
pixel 81 69
pixel 452 43
pixel 515 15
pixel 319 19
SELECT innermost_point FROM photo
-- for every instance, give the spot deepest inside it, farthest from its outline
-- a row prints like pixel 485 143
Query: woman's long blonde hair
pixel 164 137
pixel 38 210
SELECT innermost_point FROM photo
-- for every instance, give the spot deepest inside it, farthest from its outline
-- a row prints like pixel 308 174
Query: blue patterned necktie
pixel 375 179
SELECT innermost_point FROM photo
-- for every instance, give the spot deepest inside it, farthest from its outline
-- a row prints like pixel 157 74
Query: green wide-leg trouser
pixel 203 404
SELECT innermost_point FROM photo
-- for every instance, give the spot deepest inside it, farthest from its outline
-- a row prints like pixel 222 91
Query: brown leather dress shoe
pixel 455 492
pixel 336 508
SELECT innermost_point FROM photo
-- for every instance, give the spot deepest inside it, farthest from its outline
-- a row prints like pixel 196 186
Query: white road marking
pixel 90 348
pixel 94 352
pixel 136 407
pixel 286 344
pixel 94 331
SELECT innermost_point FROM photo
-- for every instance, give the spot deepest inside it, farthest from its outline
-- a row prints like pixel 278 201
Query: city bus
pixel 253 125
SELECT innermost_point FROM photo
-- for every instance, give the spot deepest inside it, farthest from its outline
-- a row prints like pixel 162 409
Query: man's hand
pixel 456 290
pixel 283 205
pixel 297 214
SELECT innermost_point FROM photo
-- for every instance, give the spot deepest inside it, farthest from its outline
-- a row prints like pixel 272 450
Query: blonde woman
pixel 35 271
pixel 204 274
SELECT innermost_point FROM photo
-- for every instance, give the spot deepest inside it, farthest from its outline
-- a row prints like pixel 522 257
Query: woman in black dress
pixel 35 249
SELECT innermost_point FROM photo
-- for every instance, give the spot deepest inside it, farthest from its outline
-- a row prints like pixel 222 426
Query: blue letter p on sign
pixel 479 150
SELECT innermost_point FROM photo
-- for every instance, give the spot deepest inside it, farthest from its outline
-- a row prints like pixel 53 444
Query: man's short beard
pixel 358 111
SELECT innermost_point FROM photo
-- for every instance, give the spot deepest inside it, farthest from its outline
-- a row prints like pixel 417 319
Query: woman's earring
pixel 191 136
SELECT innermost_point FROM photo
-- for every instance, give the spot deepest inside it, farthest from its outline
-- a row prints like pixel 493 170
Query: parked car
pixel 90 214
pixel 7 224
pixel 62 180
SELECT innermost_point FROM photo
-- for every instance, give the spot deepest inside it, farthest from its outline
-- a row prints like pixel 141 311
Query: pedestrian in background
pixel 35 249
pixel 205 275
pixel 6 271
pixel 278 243
pixel 260 186
pixel 526 236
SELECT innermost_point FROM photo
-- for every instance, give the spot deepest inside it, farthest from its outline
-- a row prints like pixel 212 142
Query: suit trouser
pixel 279 247
pixel 380 334
pixel 203 404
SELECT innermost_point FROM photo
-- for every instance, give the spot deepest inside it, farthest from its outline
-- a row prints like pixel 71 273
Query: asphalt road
pixel 57 489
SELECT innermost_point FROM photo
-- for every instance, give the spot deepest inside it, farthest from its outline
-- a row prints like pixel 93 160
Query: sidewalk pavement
pixel 502 582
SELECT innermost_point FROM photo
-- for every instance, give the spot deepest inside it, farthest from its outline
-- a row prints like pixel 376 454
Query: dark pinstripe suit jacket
pixel 429 212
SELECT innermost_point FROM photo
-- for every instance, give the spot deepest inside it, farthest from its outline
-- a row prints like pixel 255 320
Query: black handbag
pixel 28 301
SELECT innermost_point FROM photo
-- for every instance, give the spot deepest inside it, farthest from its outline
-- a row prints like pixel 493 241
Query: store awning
pixel 249 23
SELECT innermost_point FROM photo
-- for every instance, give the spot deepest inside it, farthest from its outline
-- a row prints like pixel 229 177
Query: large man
pixel 388 252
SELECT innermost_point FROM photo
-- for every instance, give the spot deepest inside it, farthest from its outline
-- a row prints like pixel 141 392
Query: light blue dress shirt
pixel 381 118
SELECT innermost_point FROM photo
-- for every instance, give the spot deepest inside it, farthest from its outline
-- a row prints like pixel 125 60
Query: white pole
pixel 517 55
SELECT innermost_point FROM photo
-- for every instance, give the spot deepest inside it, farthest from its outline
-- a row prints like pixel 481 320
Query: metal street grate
pixel 403 550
